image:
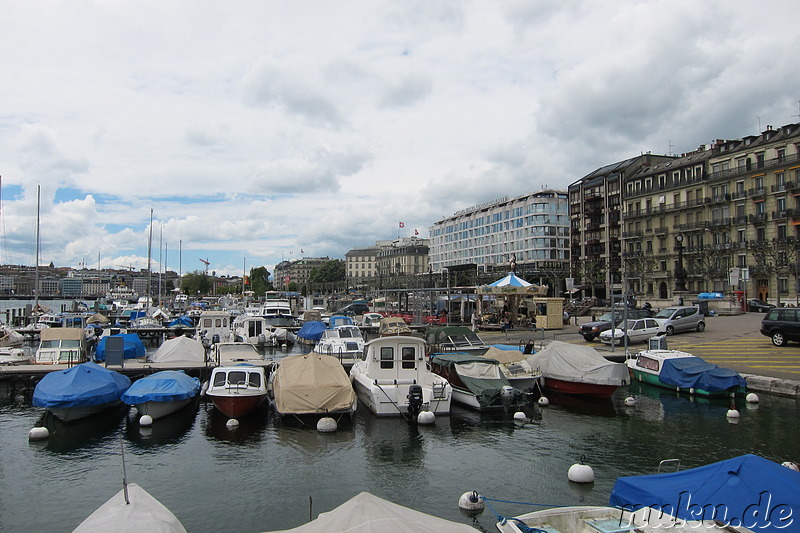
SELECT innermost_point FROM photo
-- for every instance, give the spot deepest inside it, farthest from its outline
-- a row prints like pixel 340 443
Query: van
pixel 782 325
pixel 681 318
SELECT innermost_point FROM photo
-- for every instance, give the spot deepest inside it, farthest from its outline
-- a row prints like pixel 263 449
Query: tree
pixel 777 257
pixel 711 264
pixel 592 272
pixel 259 280
pixel 638 265
pixel 195 282
pixel 331 272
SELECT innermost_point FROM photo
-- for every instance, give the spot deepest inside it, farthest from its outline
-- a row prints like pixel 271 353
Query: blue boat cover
pixel 82 385
pixel 340 320
pixel 312 330
pixel 164 386
pixel 182 321
pixel 133 347
pixel 747 490
pixel 695 373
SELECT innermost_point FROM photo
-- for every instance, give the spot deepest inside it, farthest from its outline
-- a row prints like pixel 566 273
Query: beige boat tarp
pixel 312 384
pixel 180 348
pixel 365 513
pixel 504 356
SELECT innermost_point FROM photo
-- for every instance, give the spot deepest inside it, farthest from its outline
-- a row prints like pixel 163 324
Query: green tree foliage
pixel 195 282
pixel 259 280
pixel 331 271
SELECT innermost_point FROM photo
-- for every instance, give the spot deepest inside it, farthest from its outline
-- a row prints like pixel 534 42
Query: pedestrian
pixel 475 320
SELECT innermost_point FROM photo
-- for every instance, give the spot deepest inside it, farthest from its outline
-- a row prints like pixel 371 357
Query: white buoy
pixel 732 413
pixel 232 423
pixel 326 424
pixel 426 418
pixel 146 420
pixel 519 416
pixel 788 464
pixel 471 502
pixel 580 473
pixel 38 433
pixel 544 401
pixel 630 401
pixel 752 397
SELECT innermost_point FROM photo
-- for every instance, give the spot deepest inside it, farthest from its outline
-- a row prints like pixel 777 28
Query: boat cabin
pixel 61 346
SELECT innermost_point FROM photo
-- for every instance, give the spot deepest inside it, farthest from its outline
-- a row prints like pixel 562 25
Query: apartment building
pixel 297 271
pixel 531 229
pixel 361 265
pixel 595 218
pixel 728 211
pixel 407 256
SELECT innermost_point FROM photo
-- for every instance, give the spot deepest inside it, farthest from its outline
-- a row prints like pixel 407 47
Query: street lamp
pixel 680 272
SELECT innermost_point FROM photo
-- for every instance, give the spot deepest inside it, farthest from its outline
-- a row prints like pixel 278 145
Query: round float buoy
pixel 630 401
pixel 326 424
pixel 519 416
pixel 544 401
pixel 791 465
pixel 38 433
pixel 752 397
pixel 580 473
pixel 146 420
pixel 732 413
pixel 426 418
pixel 232 423
pixel 471 502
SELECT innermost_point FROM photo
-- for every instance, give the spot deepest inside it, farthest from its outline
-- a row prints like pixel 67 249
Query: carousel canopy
pixel 512 284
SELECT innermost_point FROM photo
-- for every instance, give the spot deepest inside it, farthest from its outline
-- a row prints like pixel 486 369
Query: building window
pixel 783 285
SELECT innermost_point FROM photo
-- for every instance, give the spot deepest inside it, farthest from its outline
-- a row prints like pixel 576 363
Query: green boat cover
pixel 481 375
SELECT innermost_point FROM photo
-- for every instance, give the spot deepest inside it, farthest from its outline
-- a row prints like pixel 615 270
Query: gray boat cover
pixel 181 348
pixel 312 384
pixel 143 514
pixel 581 364
pixel 366 513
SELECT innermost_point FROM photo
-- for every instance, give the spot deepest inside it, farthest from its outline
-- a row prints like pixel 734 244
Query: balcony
pixel 661 230
pixel 757 218
pixel 756 192
pixel 720 223
pixel 779 215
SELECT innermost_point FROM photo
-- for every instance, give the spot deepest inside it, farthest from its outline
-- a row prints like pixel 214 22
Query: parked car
pixel 758 306
pixel 355 308
pixel 591 330
pixel 782 325
pixel 681 318
pixel 638 330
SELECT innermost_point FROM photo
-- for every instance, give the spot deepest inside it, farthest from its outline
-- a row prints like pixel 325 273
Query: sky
pixel 262 131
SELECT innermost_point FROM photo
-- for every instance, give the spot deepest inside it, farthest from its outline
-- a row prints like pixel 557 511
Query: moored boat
pixel 162 393
pixel 237 390
pixel 515 367
pixel 393 379
pixel 343 342
pixel 574 369
pixel 477 381
pixel 61 346
pixel 131 510
pixel 312 384
pixel 13 356
pixel 455 338
pixel 80 391
pixel 683 371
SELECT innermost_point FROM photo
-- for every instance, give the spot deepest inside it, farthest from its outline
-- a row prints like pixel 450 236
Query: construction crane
pixel 205 262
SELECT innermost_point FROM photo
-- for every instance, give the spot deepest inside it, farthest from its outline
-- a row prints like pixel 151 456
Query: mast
pixel 36 270
pixel 149 253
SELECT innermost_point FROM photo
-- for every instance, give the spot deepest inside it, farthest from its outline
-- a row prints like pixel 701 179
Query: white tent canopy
pixel 366 513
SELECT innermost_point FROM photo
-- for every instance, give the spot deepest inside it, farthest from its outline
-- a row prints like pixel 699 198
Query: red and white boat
pixel 237 390
pixel 575 369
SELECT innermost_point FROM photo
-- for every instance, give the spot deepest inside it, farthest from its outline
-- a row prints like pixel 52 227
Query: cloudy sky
pixel 257 131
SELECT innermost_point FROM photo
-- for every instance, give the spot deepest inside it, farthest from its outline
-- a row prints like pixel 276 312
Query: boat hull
pixel 653 379
pixel 237 405
pixel 68 414
pixel 392 400
pixel 158 410
pixel 578 388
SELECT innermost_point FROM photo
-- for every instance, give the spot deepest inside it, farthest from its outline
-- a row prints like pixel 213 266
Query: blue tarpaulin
pixel 164 386
pixel 695 373
pixel 312 330
pixel 82 385
pixel 747 490
pixel 182 321
pixel 133 347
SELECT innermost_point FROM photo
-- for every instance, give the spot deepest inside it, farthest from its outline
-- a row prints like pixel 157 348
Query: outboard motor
pixel 414 400
pixel 507 394
pixel 215 339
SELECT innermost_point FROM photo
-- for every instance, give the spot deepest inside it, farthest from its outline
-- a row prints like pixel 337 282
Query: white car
pixel 637 330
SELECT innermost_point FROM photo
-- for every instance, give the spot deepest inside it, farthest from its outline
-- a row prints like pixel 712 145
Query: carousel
pixel 524 302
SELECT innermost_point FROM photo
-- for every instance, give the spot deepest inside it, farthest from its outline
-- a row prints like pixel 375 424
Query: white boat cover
pixel 312 384
pixel 366 513
pixel 582 364
pixel 181 348
pixel 145 514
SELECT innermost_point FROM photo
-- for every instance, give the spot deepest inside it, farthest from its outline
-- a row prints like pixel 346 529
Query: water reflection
pixel 170 430
pixel 249 432
pixel 83 434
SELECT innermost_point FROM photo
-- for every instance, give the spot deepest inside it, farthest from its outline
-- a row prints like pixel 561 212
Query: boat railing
pixel 669 463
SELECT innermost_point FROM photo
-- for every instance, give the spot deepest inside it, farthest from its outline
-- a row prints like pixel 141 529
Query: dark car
pixel 592 330
pixel 355 308
pixel 758 306
pixel 782 325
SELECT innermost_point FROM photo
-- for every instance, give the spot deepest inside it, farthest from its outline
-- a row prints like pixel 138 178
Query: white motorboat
pixel 235 352
pixel 599 519
pixel 252 329
pixel 61 345
pixel 9 338
pixel 162 393
pixel 13 356
pixel 237 390
pixel 393 379
pixel 215 326
pixel 345 343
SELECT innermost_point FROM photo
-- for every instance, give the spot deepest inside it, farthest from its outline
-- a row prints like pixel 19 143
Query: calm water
pixel 260 477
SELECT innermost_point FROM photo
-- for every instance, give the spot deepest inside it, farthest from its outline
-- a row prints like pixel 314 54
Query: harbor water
pixel 270 475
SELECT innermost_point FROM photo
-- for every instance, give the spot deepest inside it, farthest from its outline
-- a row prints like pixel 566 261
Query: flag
pixel 247 280
pixel 402 225
pixel 301 251
pixel 416 232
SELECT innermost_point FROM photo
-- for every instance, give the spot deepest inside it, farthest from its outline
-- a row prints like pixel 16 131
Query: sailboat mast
pixel 36 270
pixel 149 253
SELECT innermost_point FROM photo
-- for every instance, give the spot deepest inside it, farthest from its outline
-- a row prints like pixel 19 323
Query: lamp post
pixel 447 304
pixel 680 272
